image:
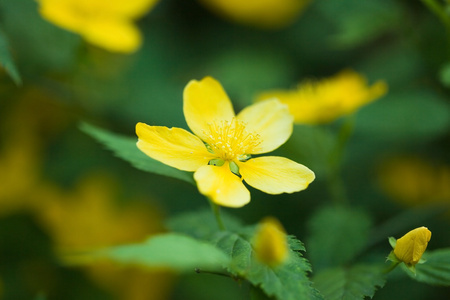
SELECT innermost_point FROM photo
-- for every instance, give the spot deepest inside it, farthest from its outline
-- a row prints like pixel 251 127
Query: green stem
pixel 216 210
pixel 391 267
pixel 439 10
pixel 335 183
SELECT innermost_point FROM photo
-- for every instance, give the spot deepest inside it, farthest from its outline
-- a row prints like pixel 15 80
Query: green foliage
pixel 337 234
pixel 286 281
pixel 201 224
pixel 125 148
pixel 436 268
pixel 412 115
pixel 352 28
pixel 171 250
pixel 349 283
pixel 6 60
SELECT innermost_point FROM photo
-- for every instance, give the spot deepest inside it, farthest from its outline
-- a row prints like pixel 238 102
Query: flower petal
pixel 205 102
pixel 175 147
pixel 275 175
pixel 129 8
pixel 61 14
pixel 269 119
pixel 221 186
pixel 112 34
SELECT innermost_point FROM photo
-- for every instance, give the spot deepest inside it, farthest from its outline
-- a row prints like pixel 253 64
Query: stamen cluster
pixel 230 139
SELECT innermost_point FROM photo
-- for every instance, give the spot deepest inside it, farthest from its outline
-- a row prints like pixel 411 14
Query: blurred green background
pixel 60 189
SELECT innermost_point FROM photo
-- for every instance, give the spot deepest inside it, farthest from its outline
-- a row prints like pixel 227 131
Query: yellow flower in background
pixel 89 218
pixel 410 248
pixel 415 181
pixel 270 243
pixel 326 100
pixel 220 151
pixel 109 24
pixel 260 13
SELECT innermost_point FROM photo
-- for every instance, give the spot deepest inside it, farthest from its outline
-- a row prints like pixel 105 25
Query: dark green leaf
pixel 436 268
pixel 125 148
pixel 352 283
pixel 6 60
pixel 172 250
pixel 287 281
pixel 337 234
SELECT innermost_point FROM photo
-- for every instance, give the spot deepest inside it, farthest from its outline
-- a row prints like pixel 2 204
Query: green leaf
pixel 413 115
pixel 352 28
pixel 201 224
pixel 436 268
pixel 287 281
pixel 337 234
pixel 125 148
pixel 355 282
pixel 175 251
pixel 6 60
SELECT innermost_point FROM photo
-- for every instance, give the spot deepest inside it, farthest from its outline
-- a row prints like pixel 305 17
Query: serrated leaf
pixel 287 281
pixel 174 251
pixel 436 268
pixel 201 224
pixel 337 234
pixel 356 282
pixel 6 60
pixel 125 148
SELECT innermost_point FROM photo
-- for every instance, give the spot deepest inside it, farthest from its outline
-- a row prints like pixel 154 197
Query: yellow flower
pixel 108 24
pixel 327 100
pixel 220 151
pixel 270 243
pixel 411 246
pixel 91 217
pixel 415 181
pixel 261 13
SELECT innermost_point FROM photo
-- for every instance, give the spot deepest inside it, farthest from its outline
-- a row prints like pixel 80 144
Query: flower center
pixel 230 140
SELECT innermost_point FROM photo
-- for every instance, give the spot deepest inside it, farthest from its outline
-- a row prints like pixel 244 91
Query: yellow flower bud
pixel 411 246
pixel 270 243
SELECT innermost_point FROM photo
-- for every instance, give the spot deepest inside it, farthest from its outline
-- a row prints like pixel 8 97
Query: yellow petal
pixel 270 120
pixel 129 8
pixel 61 14
pixel 205 101
pixel 113 34
pixel 275 175
pixel 221 186
pixel 260 13
pixel 412 245
pixel 175 147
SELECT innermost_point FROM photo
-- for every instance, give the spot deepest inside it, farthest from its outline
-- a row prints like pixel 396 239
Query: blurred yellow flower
pixel 108 24
pixel 90 218
pixel 327 100
pixel 220 151
pixel 410 248
pixel 415 181
pixel 261 13
pixel 270 243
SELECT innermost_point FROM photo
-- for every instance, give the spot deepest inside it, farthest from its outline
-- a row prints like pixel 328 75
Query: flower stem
pixel 391 267
pixel 216 210
pixel 335 183
pixel 439 10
